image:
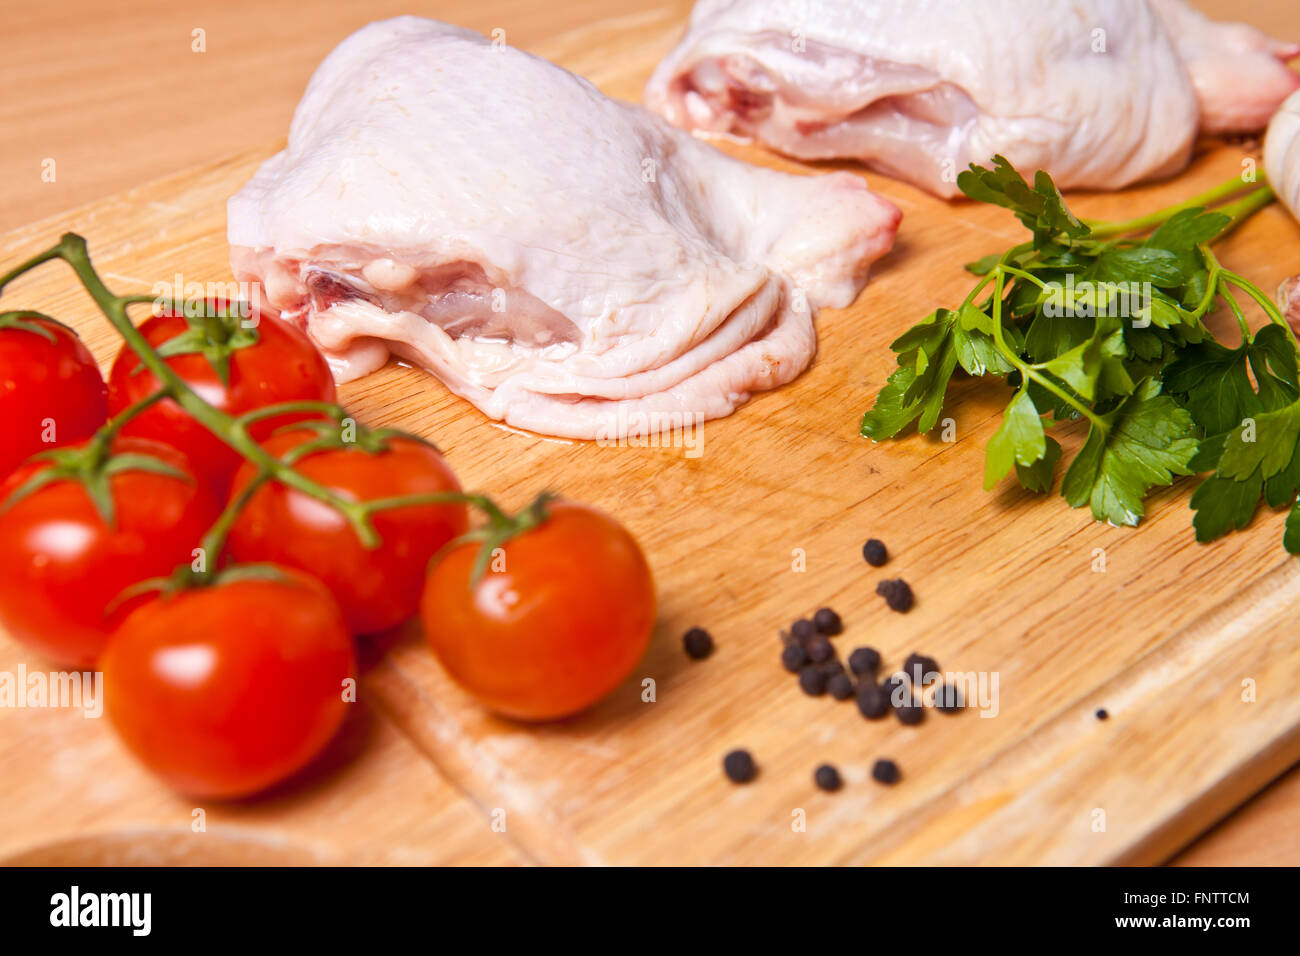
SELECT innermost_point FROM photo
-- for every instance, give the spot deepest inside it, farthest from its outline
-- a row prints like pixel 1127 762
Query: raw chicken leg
pixel 570 264
pixel 1100 93
pixel 1240 74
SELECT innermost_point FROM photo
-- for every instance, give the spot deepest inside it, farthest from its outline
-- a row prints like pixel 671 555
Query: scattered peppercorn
pixel 812 681
pixel 803 629
pixel 698 643
pixel 739 766
pixel 886 771
pixel 864 660
pixel 840 686
pixel 875 553
pixel 897 594
pixel 828 622
pixel 910 714
pixel 896 691
pixel 872 702
pixel 1102 714
pixel 793 658
pixel 828 778
pixel 819 649
pixel 918 667
pixel 948 699
pixel 832 667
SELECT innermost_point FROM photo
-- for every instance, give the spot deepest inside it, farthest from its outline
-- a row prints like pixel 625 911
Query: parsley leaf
pixel 1042 208
pixel 1144 442
pixel 1019 440
pixel 1093 321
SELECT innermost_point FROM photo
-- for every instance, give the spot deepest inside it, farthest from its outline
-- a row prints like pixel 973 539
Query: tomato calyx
pixel 215 333
pixel 91 466
pixel 187 578
pixel 23 321
pixel 500 528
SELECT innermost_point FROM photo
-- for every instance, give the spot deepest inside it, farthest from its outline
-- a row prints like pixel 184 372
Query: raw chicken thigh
pixel 570 264
pixel 1100 93
pixel 1240 74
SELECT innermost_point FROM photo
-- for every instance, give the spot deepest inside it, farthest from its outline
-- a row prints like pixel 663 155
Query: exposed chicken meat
pixel 1101 93
pixel 571 264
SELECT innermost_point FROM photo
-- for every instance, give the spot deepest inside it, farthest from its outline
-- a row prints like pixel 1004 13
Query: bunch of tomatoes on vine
pixel 212 531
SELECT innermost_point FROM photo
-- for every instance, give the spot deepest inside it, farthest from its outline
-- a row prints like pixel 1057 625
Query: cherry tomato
pixel 273 362
pixel 62 567
pixel 51 392
pixel 561 620
pixel 227 689
pixel 377 588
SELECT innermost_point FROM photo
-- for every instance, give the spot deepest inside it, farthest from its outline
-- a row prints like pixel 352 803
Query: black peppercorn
pixel 828 778
pixel 832 667
pixel 698 643
pixel 872 702
pixel 1102 714
pixel 803 629
pixel 793 658
pixel 910 714
pixel 812 681
pixel 739 766
pixel 819 649
pixel 918 667
pixel 840 686
pixel 828 622
pixel 897 692
pixel 886 771
pixel 864 660
pixel 948 699
pixel 897 594
pixel 874 552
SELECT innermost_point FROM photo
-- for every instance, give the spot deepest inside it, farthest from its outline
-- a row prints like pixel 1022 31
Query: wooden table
pixel 117 95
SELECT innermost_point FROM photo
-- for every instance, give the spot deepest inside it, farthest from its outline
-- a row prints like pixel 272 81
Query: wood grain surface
pixel 1163 638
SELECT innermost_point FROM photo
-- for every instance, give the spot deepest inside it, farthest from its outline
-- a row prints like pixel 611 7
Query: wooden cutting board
pixel 764 526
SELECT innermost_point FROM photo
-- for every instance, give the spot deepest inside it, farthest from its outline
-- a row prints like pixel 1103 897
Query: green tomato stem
pixel 232 430
pixel 103 438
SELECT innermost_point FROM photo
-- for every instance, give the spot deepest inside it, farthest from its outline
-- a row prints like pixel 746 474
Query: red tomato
pixel 50 387
pixel 281 366
pixel 561 621
pixel 377 588
pixel 227 689
pixel 62 566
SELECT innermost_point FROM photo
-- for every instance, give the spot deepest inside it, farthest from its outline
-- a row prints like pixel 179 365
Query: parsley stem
pixel 979 287
pixel 1212 281
pixel 1264 302
pixel 1241 210
pixel 1219 277
pixel 1021 273
pixel 1240 316
pixel 1026 370
pixel 1142 223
